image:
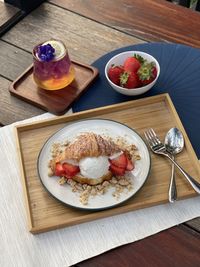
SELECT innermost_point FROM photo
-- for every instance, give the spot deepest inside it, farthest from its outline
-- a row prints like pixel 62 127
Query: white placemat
pixel 73 244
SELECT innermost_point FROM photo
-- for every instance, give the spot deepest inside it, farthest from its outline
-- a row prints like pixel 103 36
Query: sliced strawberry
pixel 116 170
pixel 70 170
pixel 130 165
pixel 120 161
pixel 59 171
pixel 114 73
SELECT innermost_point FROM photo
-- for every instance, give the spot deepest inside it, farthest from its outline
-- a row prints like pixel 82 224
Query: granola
pixel 118 184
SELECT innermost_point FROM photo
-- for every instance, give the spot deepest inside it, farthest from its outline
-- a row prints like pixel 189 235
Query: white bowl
pixel 119 60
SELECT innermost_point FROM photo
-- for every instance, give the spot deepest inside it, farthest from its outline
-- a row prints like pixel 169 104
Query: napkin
pixel 67 246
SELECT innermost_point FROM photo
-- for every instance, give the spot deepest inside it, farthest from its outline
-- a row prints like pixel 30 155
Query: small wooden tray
pixel 45 213
pixel 58 101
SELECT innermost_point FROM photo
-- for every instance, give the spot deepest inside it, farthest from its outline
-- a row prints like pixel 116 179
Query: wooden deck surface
pixel 149 19
pixel 18 44
pixel 82 22
pixel 7 11
pixel 164 249
pixel 8 15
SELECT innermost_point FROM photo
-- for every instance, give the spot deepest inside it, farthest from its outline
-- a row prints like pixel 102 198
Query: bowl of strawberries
pixel 132 72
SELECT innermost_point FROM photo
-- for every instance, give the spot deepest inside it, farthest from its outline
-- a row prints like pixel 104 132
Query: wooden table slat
pixel 194 224
pixel 91 28
pixel 44 23
pixel 177 246
pixel 9 16
pixel 13 109
pixel 86 40
pixel 13 61
pixel 149 19
pixel 7 12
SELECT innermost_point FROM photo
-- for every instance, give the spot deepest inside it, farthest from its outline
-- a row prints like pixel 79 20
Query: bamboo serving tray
pixel 45 213
pixel 57 101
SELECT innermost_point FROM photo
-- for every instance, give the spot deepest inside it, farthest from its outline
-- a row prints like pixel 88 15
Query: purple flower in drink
pixel 45 52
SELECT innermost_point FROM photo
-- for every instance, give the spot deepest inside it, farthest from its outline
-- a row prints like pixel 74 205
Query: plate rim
pixel 88 208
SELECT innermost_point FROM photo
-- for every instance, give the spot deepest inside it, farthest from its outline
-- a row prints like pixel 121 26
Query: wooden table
pixel 107 26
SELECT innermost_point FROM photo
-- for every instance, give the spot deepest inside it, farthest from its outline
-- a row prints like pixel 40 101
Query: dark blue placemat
pixel 179 76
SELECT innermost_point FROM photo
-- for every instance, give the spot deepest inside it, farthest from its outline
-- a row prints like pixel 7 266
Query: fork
pixel 158 148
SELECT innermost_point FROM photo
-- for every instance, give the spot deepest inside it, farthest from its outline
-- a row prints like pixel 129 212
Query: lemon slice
pixel 58 46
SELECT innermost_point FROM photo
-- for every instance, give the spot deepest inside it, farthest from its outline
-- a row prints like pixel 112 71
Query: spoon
pixel 174 143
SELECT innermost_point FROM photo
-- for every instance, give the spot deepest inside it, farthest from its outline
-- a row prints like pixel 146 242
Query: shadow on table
pixel 12 11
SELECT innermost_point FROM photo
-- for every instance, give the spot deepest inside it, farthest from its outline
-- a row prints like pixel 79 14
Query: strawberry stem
pixel 124 78
pixel 145 72
pixel 139 58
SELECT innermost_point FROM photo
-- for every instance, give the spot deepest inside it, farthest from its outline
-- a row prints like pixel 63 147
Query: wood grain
pixel 6 14
pixel 86 40
pixel 44 23
pixel 45 213
pixel 171 247
pixel 148 19
pixel 195 224
pixel 13 60
pixel 177 246
pixel 58 101
pixel 13 109
pixel 25 5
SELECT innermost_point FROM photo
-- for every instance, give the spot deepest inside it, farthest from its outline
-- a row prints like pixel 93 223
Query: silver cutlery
pixel 158 148
pixel 174 143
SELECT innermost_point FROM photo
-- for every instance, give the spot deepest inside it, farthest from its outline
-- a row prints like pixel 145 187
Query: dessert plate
pixel 104 127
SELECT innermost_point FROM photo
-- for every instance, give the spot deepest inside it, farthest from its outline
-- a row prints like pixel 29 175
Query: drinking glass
pixel 52 67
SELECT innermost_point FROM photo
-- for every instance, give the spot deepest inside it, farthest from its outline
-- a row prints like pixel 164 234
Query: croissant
pixel 88 145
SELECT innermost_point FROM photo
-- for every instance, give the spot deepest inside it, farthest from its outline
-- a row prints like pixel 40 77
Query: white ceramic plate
pixel 99 126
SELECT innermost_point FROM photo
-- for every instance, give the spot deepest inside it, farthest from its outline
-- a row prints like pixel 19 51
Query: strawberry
pixel 147 73
pixel 114 73
pixel 116 170
pixel 131 64
pixel 120 161
pixel 121 164
pixel 59 171
pixel 130 165
pixel 70 170
pixel 129 80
